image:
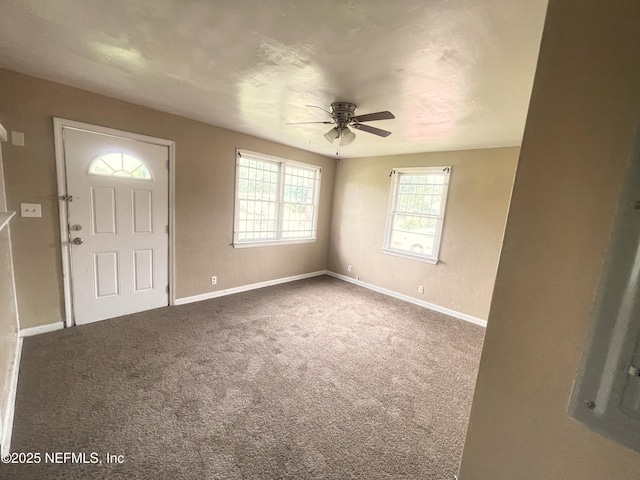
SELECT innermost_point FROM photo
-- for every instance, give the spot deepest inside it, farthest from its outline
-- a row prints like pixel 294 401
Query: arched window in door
pixel 120 164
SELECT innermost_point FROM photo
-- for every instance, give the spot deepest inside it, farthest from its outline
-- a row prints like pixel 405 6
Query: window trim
pixel 393 195
pixel 283 163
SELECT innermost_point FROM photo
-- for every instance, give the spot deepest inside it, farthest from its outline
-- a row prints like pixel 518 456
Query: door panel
pixel 103 211
pixel 119 260
pixel 143 270
pixel 106 278
pixel 142 212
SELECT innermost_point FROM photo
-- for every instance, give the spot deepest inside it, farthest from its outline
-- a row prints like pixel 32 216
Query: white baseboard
pixel 50 327
pixel 391 293
pixel 407 298
pixel 7 427
pixel 244 288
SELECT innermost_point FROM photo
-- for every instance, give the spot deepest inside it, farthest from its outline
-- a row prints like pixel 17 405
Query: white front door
pixel 117 214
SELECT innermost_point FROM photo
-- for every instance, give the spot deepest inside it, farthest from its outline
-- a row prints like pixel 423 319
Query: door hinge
pixel 66 198
pixel 167 288
pixel 167 228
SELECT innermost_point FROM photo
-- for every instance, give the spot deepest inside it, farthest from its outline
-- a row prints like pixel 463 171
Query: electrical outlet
pixel 214 280
pixel 349 268
pixel 420 288
pixel 30 210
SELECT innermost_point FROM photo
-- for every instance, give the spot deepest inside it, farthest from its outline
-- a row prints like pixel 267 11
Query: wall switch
pixel 420 288
pixel 30 210
pixel 214 280
pixel 17 139
pixel 349 268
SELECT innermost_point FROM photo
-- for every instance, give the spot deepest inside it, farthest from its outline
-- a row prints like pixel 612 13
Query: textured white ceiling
pixel 457 74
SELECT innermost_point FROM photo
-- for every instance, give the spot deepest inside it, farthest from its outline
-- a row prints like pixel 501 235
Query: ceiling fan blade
pixel 370 117
pixel 374 130
pixel 305 123
pixel 325 111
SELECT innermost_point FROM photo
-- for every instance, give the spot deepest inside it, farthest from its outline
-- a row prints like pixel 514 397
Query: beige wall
pixel 205 166
pixel 478 199
pixel 578 141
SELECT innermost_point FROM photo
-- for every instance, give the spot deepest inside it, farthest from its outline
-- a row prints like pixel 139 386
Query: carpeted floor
pixel 312 379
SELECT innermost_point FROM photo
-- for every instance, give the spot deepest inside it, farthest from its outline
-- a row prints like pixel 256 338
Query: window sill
pixel 273 243
pixel 407 255
pixel 4 219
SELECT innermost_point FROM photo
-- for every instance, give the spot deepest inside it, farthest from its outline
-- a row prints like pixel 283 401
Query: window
pixel 416 212
pixel 276 200
pixel 120 164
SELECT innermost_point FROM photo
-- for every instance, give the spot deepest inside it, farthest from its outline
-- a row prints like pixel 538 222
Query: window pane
pixel 101 168
pixel 412 242
pixel 299 195
pixel 413 224
pixel 256 194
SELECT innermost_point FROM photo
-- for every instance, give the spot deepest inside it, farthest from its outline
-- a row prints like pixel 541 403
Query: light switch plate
pixel 17 138
pixel 30 210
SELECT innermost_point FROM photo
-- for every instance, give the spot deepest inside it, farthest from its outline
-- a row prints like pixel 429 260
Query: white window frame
pixel 282 165
pixel 392 212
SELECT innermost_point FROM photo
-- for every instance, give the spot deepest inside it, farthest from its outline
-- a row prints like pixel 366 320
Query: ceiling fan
pixel 343 116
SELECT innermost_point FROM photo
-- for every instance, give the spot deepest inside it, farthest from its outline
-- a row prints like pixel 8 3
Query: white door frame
pixel 58 125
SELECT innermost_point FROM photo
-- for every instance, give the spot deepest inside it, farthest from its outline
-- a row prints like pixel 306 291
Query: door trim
pixel 58 125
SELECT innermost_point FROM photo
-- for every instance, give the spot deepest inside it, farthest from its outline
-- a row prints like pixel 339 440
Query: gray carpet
pixel 313 379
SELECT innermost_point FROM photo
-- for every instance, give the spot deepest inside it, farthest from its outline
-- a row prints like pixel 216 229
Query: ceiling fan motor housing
pixel 343 112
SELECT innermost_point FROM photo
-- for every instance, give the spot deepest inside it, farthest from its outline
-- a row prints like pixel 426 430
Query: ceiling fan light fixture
pixel 346 137
pixel 332 134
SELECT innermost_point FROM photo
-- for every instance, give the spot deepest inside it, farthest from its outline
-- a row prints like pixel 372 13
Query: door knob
pixel 77 241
